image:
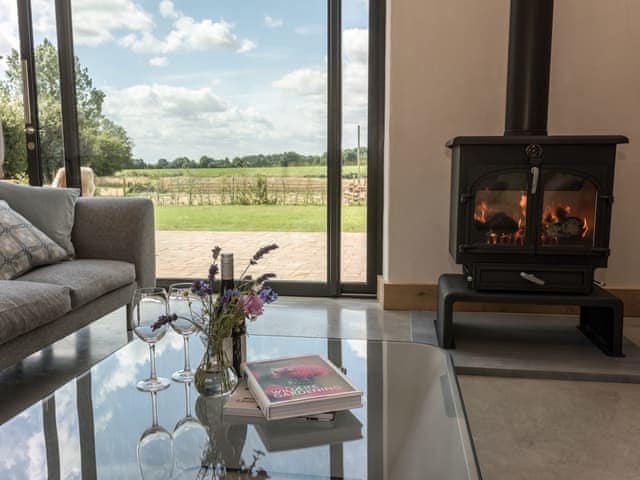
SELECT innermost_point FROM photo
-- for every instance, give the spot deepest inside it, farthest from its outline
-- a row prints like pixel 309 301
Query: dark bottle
pixel 238 337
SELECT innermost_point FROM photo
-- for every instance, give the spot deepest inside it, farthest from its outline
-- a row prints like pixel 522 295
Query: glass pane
pixel 48 90
pixel 355 71
pixel 500 211
pixel 13 151
pixel 217 112
pixel 569 210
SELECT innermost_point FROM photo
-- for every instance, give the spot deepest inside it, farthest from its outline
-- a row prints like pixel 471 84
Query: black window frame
pixel 333 286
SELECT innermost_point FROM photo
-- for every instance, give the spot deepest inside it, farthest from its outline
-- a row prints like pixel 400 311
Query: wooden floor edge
pixel 406 296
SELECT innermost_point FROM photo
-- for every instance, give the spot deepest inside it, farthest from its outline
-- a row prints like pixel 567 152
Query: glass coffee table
pixel 411 425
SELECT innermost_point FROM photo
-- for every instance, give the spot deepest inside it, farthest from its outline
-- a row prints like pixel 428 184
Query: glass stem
pixel 187 364
pixel 154 409
pixel 187 398
pixel 152 355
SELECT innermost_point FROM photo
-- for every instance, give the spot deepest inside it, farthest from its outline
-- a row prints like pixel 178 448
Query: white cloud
pixel 271 22
pixel 355 44
pixel 304 81
pixel 96 22
pixel 8 30
pixel 168 121
pixel 189 34
pixel 311 83
pixel 159 61
pixel 167 9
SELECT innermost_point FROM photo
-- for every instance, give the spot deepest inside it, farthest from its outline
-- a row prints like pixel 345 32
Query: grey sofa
pixel 115 252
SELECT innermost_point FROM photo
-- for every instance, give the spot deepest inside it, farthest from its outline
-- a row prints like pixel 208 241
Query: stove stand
pixel 601 313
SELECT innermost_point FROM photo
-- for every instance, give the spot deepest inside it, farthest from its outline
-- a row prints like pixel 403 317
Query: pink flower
pixel 252 305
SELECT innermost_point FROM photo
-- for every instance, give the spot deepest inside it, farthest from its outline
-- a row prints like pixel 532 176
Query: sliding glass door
pixel 246 123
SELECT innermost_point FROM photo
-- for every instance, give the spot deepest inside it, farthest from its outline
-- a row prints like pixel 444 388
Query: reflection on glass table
pixel 155 448
pixel 411 424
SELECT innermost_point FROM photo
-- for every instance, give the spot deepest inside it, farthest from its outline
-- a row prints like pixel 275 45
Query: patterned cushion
pixel 23 246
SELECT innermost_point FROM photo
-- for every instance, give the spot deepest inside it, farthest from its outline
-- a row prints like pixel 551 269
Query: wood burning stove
pixel 531 212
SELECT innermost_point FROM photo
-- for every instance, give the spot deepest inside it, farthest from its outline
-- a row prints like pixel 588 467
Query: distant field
pixel 310 171
pixel 256 218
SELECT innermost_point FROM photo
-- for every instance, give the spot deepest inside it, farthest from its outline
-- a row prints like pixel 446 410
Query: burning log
pixel 499 223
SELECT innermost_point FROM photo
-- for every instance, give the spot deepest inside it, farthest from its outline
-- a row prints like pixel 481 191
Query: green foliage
pixel 104 145
pixel 285 159
pixel 259 218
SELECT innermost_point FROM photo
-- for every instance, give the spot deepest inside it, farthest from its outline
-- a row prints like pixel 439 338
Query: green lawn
pixel 310 171
pixel 248 218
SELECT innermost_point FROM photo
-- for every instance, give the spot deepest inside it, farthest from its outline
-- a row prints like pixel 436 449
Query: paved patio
pixel 301 256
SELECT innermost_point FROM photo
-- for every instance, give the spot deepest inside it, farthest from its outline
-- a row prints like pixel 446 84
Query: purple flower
pixel 262 252
pixel 201 288
pixel 163 320
pixel 213 271
pixel 268 295
pixel 229 294
pixel 252 305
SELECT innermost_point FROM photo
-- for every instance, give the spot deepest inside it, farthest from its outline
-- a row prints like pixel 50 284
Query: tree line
pixel 285 159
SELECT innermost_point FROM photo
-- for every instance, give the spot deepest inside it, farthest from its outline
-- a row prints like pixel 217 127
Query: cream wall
pixel 446 76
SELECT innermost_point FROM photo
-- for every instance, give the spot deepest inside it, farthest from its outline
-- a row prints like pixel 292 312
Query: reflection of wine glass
pixel 155 448
pixel 182 302
pixel 189 438
pixel 150 303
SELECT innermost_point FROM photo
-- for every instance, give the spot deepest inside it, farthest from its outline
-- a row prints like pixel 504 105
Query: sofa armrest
pixel 117 229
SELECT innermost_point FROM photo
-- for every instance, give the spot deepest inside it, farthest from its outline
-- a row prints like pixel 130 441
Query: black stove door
pixel 567 212
pixel 499 210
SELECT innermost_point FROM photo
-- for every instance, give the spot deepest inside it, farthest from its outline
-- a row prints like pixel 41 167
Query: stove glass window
pixel 500 210
pixel 568 210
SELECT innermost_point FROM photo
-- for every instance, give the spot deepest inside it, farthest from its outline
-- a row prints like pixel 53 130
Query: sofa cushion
pixel 25 306
pixel 86 279
pixel 23 246
pixel 52 210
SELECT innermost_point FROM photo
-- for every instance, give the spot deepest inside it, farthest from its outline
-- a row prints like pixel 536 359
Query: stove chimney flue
pixel 530 28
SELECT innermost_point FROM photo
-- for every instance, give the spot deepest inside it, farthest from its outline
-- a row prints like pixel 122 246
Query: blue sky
pixel 217 77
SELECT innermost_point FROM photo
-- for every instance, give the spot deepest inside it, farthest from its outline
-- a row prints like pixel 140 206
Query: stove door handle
pixel 530 277
pixel 535 173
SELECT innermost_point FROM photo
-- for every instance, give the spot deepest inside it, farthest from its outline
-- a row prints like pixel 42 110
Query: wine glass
pixel 150 303
pixel 182 302
pixel 190 438
pixel 155 448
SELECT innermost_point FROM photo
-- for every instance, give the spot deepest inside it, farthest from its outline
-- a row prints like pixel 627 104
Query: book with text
pixel 300 386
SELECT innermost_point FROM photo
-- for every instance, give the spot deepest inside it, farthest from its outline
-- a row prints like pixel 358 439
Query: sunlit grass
pixel 256 218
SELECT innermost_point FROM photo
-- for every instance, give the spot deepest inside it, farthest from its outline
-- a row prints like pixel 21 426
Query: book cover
pixel 282 384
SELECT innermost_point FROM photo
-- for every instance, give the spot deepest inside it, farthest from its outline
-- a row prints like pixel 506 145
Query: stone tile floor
pixel 302 256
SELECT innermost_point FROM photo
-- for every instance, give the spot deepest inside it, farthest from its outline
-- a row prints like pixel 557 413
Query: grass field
pixel 256 218
pixel 310 171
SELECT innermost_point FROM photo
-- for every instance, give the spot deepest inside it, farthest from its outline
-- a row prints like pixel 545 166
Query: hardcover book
pixel 300 386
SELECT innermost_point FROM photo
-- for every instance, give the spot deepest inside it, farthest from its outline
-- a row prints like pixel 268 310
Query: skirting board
pixel 403 296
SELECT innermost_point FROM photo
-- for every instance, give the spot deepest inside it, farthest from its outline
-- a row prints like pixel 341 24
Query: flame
pixel 483 212
pixel 585 228
pixel 480 214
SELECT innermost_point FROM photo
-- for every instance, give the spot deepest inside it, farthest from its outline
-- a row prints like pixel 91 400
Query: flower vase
pixel 215 376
